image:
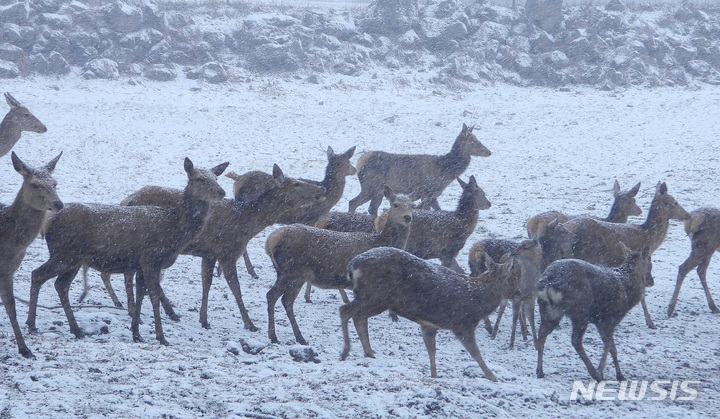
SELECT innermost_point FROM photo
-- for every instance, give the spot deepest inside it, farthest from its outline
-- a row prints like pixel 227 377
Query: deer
pixel 20 223
pixel 433 296
pixel 528 256
pixel 588 293
pixel 17 120
pixel 598 242
pixel 623 207
pixel 249 186
pixel 702 229
pixel 121 239
pixel 421 176
pixel 319 257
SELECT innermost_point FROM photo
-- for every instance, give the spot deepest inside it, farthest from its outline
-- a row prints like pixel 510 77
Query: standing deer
pixel 121 239
pixel 433 296
pixel 703 228
pixel 623 207
pixel 588 293
pixel 319 257
pixel 598 242
pixel 19 225
pixel 422 176
pixel 17 120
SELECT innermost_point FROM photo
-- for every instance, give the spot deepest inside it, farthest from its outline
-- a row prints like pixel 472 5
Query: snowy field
pixel 551 150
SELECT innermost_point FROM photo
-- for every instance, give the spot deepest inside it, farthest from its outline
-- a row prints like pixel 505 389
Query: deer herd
pixel 589 269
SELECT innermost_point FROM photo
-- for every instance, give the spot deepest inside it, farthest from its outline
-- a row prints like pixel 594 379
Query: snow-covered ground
pixel 551 150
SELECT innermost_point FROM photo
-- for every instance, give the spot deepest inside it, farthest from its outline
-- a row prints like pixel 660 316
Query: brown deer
pixel 114 238
pixel 598 242
pixel 19 225
pixel 319 257
pixel 424 177
pixel 433 296
pixel 248 187
pixel 528 256
pixel 704 232
pixel 17 120
pixel 588 293
pixel 623 207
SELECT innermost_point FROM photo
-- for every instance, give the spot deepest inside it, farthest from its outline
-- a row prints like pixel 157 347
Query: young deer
pixel 588 293
pixel 528 256
pixel 114 238
pixel 598 242
pixel 19 225
pixel 442 234
pixel 17 120
pixel 703 228
pixel 424 177
pixel 319 257
pixel 623 207
pixel 248 187
pixel 433 296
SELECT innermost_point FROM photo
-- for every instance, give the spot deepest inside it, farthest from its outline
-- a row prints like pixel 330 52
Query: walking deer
pixel 19 225
pixel 598 242
pixel 424 177
pixel 623 207
pixel 703 228
pixel 433 296
pixel 319 257
pixel 121 239
pixel 588 293
pixel 528 257
pixel 17 120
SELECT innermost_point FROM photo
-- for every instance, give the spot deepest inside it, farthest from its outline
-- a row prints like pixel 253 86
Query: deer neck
pixel 655 227
pixel 263 212
pixel 633 289
pixel 394 235
pixel 456 161
pixel 192 213
pixel 616 216
pixel 467 209
pixel 26 221
pixel 334 183
pixel 9 133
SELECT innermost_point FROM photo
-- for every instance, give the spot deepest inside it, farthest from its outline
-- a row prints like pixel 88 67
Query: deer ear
pixel 635 189
pixel 220 168
pixel 278 174
pixel 626 250
pixel 616 189
pixel 473 182
pixel 489 262
pixel 389 193
pixel 350 152
pixel 189 166
pixel 660 188
pixel 12 101
pixel 19 166
pixel 330 152
pixel 460 181
pixel 464 128
pixel 50 167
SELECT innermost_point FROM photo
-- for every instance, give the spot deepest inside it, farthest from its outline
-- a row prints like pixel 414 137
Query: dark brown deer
pixel 433 296
pixel 528 257
pixel 623 207
pixel 588 293
pixel 598 242
pixel 424 177
pixel 703 228
pixel 319 257
pixel 17 120
pixel 19 225
pixel 121 239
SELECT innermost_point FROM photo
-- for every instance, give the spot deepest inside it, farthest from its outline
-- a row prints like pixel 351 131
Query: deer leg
pixel 361 327
pixel 434 204
pixel 105 277
pixel 140 289
pixel 8 300
pixel 249 266
pixel 702 272
pixel 452 263
pixel 206 272
pixel 609 346
pixel 166 304
pixel 578 333
pixel 362 198
pixel 488 325
pixel 529 309
pixel 288 301
pixel 467 338
pixel 129 292
pixel 86 287
pixel 308 288
pixel 47 270
pixel 521 318
pixel 696 256
pixel 279 288
pixel 548 323
pixel 648 319
pixel 343 296
pixel 360 312
pixel 501 310
pixel 231 276
pixel 62 286
pixel 428 334
pixel 375 204
pixel 152 281
pixel 516 316
pixel 346 312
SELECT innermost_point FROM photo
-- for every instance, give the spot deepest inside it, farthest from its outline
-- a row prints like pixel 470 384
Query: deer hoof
pixel 251 327
pixel 174 317
pixel 205 325
pixel 714 309
pixel 163 342
pixel 25 352
pixel 137 338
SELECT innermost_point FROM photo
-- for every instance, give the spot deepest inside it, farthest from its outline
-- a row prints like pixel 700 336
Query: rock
pixel 55 21
pixel 58 64
pixel 45 6
pixel 212 72
pixel 10 52
pixel 160 52
pixel 616 6
pixel 313 79
pixel 22 36
pixel 159 73
pixel 438 33
pixel 304 354
pixel 703 71
pixel 523 65
pixel 216 39
pixel 391 16
pixel 542 42
pixel 555 59
pixel 684 54
pixel 101 68
pixel 8 70
pixel 547 14
pixel 685 12
pixel 251 346
pixel 582 50
pixel 140 42
pixel 123 17
pixel 18 13
pixel 275 57
pixel 492 30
